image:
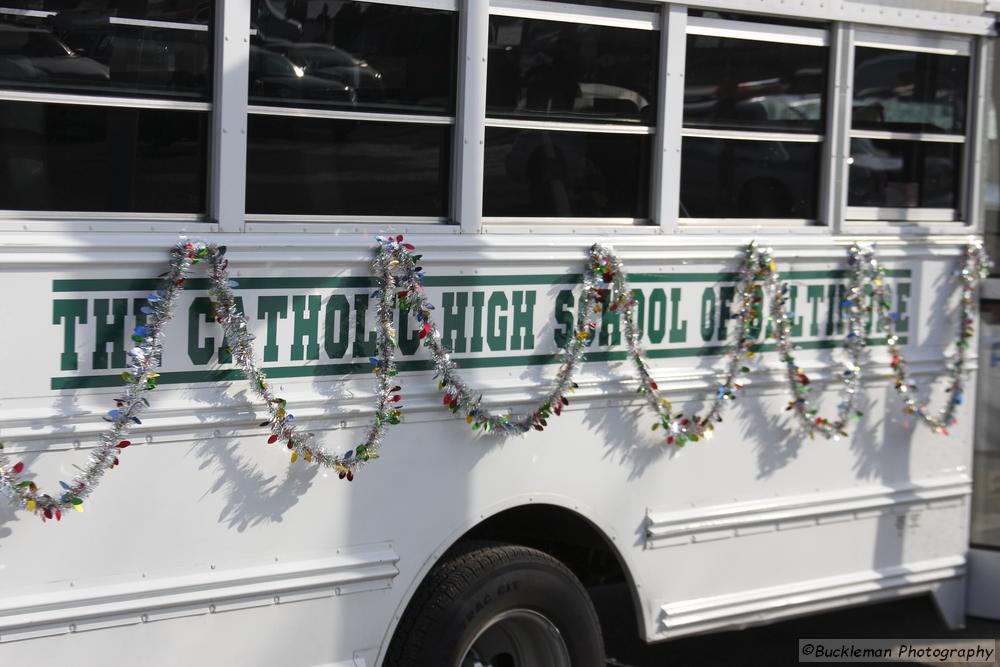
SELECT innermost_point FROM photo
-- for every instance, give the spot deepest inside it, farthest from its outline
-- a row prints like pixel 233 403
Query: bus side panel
pixel 204 530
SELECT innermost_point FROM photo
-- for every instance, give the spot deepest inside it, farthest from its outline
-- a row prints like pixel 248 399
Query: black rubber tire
pixel 474 584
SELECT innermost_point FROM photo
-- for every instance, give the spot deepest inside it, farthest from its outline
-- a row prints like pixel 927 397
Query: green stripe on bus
pixel 150 284
pixel 326 370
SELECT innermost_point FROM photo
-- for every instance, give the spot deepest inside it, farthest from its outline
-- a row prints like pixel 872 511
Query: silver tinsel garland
pixel 605 286
pixel 758 268
pixel 141 378
pixel 976 266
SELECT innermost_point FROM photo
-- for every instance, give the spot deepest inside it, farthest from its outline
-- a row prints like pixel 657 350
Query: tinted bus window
pixel 571 71
pixel 64 157
pixel 105 48
pixel 909 92
pixel 745 84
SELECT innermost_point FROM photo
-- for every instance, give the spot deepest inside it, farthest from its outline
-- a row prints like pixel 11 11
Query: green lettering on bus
pixel 305 328
pixel 270 308
pixel 69 312
pixel 112 332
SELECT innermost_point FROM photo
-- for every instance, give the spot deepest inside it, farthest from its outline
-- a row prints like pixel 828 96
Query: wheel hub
pixel 517 638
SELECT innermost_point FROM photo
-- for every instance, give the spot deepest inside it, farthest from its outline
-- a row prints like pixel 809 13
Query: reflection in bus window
pixel 275 79
pixel 753 125
pixel 143 154
pixel 554 69
pixel 908 115
pixel 179 11
pixel 908 91
pixel 83 47
pixel 544 75
pixel 903 174
pixel 745 84
pixel 358 54
pixel 315 63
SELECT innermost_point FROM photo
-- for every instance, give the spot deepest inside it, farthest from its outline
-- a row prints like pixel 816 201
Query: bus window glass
pixel 746 84
pixel 353 55
pixel 725 178
pixel 571 71
pixel 570 113
pixel 138 142
pixel 174 11
pixel 319 166
pixel 313 67
pixel 90 158
pixel 754 119
pixel 566 174
pixel 106 48
pixel 904 174
pixel 908 125
pixel 905 91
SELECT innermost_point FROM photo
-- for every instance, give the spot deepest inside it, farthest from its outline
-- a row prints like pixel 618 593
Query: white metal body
pixel 206 547
pixel 205 532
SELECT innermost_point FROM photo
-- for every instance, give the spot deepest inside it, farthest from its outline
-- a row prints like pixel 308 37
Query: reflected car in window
pixel 138 59
pixel 749 85
pixel 910 92
pixel 792 104
pixel 275 78
pixel 329 62
pixel 35 54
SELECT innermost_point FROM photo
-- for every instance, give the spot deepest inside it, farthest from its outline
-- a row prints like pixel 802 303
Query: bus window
pixel 753 120
pixel 351 110
pixel 106 106
pixel 908 118
pixel 570 114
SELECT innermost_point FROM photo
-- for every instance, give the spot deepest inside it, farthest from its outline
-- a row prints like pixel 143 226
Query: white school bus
pixel 502 139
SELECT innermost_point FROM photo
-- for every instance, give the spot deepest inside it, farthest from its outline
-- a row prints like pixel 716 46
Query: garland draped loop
pixel 759 278
pixel 605 286
pixel 976 266
pixel 141 377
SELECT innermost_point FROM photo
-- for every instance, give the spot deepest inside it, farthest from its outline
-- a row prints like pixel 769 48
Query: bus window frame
pixel 651 20
pixel 228 106
pixel 122 221
pixel 282 222
pixel 768 33
pixel 917 221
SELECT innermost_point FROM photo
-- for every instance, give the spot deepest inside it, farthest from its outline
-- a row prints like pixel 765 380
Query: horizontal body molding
pixel 767 604
pixel 351 571
pixel 684 526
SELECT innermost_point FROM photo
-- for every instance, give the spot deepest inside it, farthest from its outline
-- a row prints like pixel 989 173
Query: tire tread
pixel 445 585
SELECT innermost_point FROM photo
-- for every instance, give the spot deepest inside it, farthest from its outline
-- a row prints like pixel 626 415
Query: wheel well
pixel 563 534
pixel 560 532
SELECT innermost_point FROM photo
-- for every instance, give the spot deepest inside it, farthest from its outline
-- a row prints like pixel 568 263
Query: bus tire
pixel 503 604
